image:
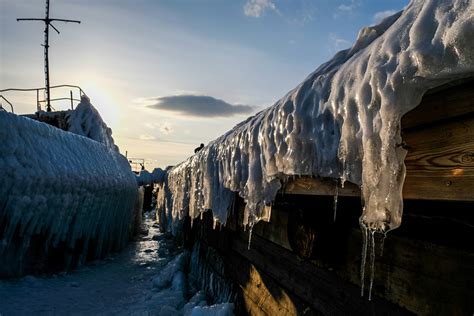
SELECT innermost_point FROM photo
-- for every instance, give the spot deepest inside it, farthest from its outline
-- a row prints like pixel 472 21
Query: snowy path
pixel 119 284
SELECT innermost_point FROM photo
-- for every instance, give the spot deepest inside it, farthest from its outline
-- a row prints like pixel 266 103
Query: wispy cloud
pixel 338 43
pixel 346 8
pixel 197 106
pixel 147 137
pixel 255 8
pixel 379 16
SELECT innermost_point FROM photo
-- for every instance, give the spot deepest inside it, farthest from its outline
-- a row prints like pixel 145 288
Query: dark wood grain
pixel 446 103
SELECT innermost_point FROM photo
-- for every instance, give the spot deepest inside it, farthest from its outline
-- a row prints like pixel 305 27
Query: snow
pixel 147 178
pixel 121 284
pixel 342 121
pixel 224 309
pixel 85 120
pixel 61 193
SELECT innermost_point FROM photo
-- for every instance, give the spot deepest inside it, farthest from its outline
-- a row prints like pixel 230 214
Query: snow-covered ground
pixel 134 282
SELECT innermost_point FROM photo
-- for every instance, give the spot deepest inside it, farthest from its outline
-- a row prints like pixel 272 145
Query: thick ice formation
pixel 85 120
pixel 147 178
pixel 181 293
pixel 343 121
pixel 59 190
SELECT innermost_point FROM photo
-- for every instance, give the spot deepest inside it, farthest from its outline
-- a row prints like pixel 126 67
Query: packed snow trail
pixel 122 284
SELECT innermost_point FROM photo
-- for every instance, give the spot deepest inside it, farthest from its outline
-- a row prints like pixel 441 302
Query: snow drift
pixel 342 121
pixel 60 193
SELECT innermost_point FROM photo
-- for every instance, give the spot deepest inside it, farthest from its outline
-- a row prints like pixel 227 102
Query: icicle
pixel 372 262
pixel 364 257
pixel 214 224
pixel 336 193
pixel 250 236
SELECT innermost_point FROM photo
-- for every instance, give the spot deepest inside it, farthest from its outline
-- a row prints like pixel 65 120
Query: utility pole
pixel 47 23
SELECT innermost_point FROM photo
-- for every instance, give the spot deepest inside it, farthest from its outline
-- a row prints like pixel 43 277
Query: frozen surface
pixel 147 178
pixel 224 309
pixel 342 121
pixel 85 120
pixel 59 193
pixel 119 285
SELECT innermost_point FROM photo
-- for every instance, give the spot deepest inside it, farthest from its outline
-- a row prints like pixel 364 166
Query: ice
pixel 147 178
pixel 85 120
pixel 207 272
pixel 132 282
pixel 185 294
pixel 60 192
pixel 342 121
pixel 365 237
pixel 224 309
pixel 372 263
pixel 165 278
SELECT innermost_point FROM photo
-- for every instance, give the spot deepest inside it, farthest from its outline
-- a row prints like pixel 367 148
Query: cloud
pixel 198 106
pixel 147 137
pixel 151 125
pixel 338 43
pixel 255 8
pixel 347 8
pixel 379 16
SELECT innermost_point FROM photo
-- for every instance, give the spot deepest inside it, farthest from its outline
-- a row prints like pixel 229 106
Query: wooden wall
pixel 304 262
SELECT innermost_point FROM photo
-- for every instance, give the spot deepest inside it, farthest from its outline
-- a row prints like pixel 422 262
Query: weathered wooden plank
pixel 440 161
pixel 319 186
pixel 323 290
pixel 414 272
pixel 422 277
pixel 439 164
pixel 441 105
pixel 275 230
pixel 261 294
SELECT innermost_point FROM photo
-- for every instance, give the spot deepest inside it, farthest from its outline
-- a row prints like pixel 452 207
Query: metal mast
pixel 47 23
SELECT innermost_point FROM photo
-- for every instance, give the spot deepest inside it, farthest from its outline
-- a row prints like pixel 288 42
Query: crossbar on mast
pixel 47 23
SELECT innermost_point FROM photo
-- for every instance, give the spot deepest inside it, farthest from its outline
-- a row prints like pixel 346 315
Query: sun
pixel 102 99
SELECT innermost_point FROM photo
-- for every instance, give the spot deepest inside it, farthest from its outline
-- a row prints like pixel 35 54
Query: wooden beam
pixel 319 186
pixel 443 104
pixel 440 161
pixel 289 276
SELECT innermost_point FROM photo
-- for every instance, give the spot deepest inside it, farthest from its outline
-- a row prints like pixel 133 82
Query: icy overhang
pixel 342 121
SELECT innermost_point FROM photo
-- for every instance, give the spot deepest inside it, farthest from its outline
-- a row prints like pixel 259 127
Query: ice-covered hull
pixel 64 198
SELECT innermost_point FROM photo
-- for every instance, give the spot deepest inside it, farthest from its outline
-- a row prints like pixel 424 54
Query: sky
pixel 169 75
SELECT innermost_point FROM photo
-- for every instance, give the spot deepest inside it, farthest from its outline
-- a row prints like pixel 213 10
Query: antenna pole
pixel 46 59
pixel 47 23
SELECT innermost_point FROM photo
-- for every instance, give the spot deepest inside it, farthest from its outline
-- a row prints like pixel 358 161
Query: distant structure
pixel 47 23
pixel 199 148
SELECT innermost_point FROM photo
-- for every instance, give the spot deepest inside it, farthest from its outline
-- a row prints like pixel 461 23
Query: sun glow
pixel 104 102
